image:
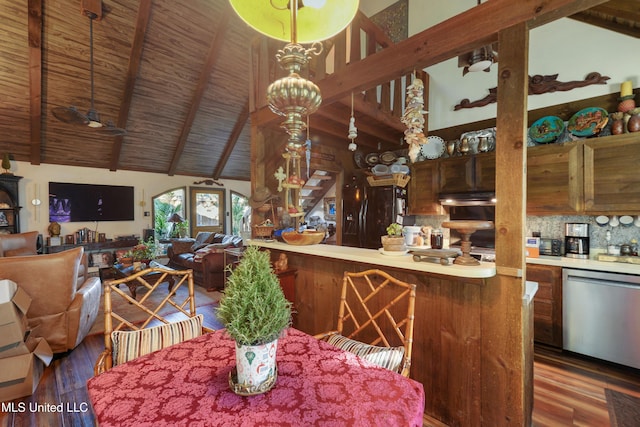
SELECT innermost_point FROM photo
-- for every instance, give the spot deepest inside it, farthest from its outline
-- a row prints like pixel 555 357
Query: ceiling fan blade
pixel 69 115
pixel 112 130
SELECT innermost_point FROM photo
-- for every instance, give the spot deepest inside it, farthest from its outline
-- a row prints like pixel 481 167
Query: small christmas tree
pixel 6 164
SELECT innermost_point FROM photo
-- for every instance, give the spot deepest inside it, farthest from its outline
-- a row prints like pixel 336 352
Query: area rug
pixel 204 301
pixel 624 409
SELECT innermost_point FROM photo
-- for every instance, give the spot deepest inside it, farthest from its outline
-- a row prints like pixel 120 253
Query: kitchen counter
pixel 371 256
pixel 587 264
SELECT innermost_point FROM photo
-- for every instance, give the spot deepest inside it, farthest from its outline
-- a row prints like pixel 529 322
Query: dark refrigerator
pixel 367 211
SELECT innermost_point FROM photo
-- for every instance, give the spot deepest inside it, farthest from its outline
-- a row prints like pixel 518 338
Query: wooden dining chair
pixel 126 339
pixel 375 319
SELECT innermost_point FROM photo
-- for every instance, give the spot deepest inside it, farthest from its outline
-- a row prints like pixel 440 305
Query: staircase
pixel 315 189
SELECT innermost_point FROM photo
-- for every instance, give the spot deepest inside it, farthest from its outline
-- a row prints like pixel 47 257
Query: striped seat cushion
pixel 386 357
pixel 128 345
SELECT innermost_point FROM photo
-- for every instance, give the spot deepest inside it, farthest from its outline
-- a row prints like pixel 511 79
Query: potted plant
pixel 143 252
pixel 393 241
pixel 254 311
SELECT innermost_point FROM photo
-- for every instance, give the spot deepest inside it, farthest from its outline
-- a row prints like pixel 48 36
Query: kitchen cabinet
pixel 9 204
pixel 554 179
pixel 485 172
pixel 456 174
pixel 611 175
pixel 423 189
pixel 468 173
pixel 547 304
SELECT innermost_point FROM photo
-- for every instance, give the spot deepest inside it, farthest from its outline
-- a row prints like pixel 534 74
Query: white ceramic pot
pixel 256 364
pixel 411 234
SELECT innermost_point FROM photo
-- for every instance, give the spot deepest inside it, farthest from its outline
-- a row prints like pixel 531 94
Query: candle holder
pixel 627 103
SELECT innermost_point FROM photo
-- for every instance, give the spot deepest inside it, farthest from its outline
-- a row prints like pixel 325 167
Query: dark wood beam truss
pixel 135 57
pixel 35 79
pixel 233 139
pixel 205 74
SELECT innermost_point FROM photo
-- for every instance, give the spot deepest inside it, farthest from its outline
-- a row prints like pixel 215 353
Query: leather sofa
pixel 204 255
pixel 19 244
pixel 64 300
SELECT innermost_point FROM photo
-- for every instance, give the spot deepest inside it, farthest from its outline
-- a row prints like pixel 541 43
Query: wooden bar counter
pixel 448 330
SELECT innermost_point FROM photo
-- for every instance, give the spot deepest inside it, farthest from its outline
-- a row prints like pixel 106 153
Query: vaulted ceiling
pixel 174 74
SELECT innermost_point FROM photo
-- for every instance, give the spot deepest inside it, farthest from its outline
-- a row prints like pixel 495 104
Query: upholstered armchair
pixel 19 244
pixel 65 302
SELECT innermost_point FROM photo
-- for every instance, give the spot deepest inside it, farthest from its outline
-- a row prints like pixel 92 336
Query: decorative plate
pixel 388 157
pixel 546 129
pixel 393 253
pixel 372 159
pixel 358 158
pixel 433 148
pixel 588 121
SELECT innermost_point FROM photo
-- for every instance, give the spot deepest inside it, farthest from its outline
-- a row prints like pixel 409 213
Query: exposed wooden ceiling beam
pixel 372 110
pixel 233 139
pixel 341 113
pixel 462 33
pixel 621 16
pixel 35 79
pixel 135 57
pixel 205 74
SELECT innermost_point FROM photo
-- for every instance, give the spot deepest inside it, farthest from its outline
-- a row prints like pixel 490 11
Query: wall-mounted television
pixel 70 202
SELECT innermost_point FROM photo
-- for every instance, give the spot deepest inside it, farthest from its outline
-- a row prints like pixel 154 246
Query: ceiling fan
pixel 480 59
pixel 92 118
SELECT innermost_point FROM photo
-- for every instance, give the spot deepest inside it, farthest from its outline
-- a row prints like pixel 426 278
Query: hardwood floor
pixel 569 390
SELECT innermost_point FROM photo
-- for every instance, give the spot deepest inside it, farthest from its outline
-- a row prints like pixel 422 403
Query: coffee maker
pixel 576 240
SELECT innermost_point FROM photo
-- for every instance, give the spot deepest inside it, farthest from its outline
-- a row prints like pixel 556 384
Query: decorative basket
pixel 264 231
pixel 398 179
pixel 392 244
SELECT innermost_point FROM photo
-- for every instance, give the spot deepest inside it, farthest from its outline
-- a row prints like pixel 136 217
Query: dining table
pixel 187 384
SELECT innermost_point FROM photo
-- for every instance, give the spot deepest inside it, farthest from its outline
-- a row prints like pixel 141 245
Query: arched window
pixel 165 205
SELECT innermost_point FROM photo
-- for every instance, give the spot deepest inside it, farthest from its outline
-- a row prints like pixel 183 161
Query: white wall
pixel 565 47
pixel 146 185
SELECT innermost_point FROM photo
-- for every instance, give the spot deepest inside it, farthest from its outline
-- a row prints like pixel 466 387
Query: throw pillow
pixel 212 248
pixel 385 357
pixel 128 345
pixel 181 246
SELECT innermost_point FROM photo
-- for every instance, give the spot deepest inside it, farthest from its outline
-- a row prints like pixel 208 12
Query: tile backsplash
pixel 553 227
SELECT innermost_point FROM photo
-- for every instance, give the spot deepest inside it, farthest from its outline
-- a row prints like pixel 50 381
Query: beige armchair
pixel 65 302
pixel 19 244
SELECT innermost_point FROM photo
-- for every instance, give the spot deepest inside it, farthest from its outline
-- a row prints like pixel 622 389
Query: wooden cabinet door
pixel 456 174
pixel 611 175
pixel 554 179
pixel 547 304
pixel 485 172
pixel 423 189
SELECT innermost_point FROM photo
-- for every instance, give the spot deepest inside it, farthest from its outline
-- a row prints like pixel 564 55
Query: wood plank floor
pixel 569 390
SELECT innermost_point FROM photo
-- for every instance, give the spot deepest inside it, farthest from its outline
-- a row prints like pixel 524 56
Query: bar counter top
pixel 374 257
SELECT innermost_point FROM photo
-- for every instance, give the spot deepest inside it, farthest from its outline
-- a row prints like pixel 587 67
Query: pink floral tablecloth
pixel 318 384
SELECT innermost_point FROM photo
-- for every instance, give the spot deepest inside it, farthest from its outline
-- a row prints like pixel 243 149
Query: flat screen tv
pixel 90 202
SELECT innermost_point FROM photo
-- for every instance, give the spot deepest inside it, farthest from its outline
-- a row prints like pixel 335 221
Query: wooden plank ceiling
pixel 174 74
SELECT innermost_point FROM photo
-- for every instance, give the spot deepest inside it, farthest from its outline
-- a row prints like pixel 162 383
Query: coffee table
pixel 121 271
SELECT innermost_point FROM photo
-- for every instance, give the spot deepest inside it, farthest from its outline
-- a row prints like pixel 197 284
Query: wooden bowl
pixel 307 237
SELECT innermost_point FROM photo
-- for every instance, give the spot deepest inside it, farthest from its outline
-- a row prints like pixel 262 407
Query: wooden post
pixel 505 351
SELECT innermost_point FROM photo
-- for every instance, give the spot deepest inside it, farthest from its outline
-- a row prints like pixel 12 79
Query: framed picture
pixel 329 208
pixel 206 207
pixel 102 259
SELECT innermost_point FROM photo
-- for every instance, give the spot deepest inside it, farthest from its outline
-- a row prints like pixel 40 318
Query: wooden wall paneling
pixel 505 390
pixel 447 331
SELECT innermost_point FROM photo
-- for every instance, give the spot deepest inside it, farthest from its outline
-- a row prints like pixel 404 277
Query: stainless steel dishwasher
pixel 601 315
